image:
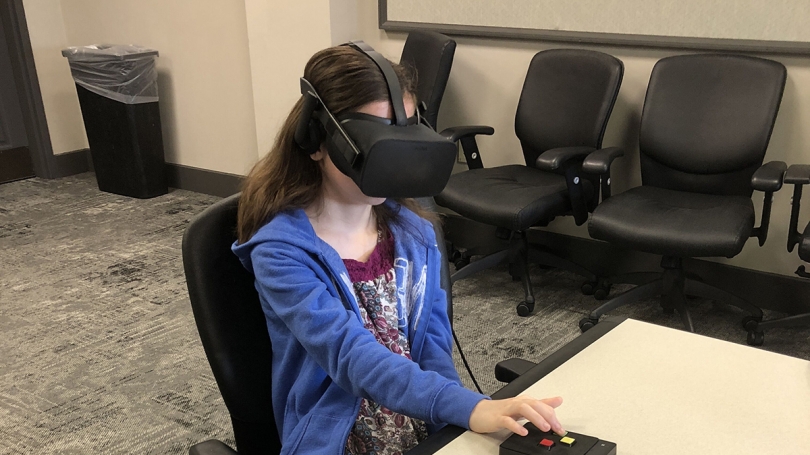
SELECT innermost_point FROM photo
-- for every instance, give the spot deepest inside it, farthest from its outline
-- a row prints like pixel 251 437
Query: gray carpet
pixel 99 352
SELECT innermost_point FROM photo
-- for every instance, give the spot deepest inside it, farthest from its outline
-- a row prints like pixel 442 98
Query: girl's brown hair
pixel 287 178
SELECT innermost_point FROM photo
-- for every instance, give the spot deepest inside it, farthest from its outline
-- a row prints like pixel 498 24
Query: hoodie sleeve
pixel 437 350
pixel 295 287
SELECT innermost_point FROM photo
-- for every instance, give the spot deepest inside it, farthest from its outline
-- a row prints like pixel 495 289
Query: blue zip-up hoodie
pixel 325 360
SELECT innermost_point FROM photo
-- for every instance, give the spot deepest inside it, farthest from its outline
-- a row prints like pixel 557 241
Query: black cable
pixel 467 365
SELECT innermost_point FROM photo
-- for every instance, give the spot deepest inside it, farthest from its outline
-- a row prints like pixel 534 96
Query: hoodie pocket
pixel 319 434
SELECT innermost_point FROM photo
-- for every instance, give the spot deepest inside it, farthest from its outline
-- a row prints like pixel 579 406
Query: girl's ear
pixel 319 154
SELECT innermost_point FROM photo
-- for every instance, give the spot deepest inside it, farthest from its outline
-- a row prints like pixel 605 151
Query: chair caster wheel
pixel 586 324
pixel 461 262
pixel 602 291
pixel 756 338
pixel 588 287
pixel 750 324
pixel 524 309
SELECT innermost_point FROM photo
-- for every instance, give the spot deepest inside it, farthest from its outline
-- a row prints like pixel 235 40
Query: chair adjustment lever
pixel 573 180
pixel 794 236
pixel 761 232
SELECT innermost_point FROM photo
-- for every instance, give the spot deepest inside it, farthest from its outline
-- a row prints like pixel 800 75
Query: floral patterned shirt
pixel 378 430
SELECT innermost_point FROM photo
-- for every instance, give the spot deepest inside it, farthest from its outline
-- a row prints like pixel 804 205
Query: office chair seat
pixel 804 244
pixel 515 197
pixel 676 223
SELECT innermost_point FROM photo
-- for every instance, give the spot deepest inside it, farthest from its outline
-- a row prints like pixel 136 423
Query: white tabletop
pixel 659 391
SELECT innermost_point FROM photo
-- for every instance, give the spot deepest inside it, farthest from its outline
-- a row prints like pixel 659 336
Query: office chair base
pixel 516 255
pixel 599 288
pixel 673 286
pixel 519 254
pixel 756 328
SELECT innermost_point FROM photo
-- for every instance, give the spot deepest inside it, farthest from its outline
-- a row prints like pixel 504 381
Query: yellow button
pixel 567 441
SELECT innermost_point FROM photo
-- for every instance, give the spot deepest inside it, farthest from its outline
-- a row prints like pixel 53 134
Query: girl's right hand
pixel 492 415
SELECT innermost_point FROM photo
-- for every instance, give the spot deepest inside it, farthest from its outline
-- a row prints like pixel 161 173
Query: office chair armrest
pixel 509 370
pixel 768 178
pixel 455 133
pixel 568 161
pixel 798 174
pixel 599 161
pixel 211 447
pixel 466 134
pixel 553 159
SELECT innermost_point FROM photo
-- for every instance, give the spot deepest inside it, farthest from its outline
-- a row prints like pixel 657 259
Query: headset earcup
pixel 308 132
pixel 314 137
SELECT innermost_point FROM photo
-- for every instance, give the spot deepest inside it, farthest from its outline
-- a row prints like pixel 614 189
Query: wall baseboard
pixel 177 175
pixel 70 163
pixel 202 180
pixel 770 291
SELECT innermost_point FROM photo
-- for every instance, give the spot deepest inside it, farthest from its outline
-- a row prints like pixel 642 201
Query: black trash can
pixel 117 88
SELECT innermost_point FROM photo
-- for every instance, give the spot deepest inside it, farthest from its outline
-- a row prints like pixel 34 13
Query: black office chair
pixel 233 329
pixel 430 56
pixel 564 108
pixel 797 175
pixel 705 126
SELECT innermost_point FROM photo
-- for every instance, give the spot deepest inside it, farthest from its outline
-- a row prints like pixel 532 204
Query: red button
pixel 547 443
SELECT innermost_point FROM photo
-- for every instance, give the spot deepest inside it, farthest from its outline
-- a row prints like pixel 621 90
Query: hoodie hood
pixel 293 227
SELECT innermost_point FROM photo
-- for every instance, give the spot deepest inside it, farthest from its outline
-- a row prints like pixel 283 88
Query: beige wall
pixel 343 17
pixel 486 80
pixel 281 36
pixel 47 31
pixel 203 71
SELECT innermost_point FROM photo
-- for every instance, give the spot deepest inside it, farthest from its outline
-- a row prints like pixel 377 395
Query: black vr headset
pixel 386 158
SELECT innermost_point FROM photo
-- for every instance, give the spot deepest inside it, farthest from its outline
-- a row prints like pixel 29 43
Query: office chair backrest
pixel 430 55
pixel 707 120
pixel 232 326
pixel 566 100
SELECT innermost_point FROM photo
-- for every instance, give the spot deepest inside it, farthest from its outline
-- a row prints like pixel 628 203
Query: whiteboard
pixel 781 26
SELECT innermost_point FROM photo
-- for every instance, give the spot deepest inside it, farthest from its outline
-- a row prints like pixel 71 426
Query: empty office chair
pixel 430 56
pixel 233 329
pixel 797 175
pixel 564 108
pixel 705 126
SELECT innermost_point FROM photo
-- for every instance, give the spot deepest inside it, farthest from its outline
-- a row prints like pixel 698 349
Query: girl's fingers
pixel 512 425
pixel 545 411
pixel 554 402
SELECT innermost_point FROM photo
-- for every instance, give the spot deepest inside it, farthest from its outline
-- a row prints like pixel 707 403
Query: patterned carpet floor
pixel 99 352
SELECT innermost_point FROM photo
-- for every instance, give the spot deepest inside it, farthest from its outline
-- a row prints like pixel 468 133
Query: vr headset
pixel 399 158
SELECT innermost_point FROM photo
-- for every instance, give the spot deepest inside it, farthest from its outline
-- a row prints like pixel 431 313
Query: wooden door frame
pixel 25 75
